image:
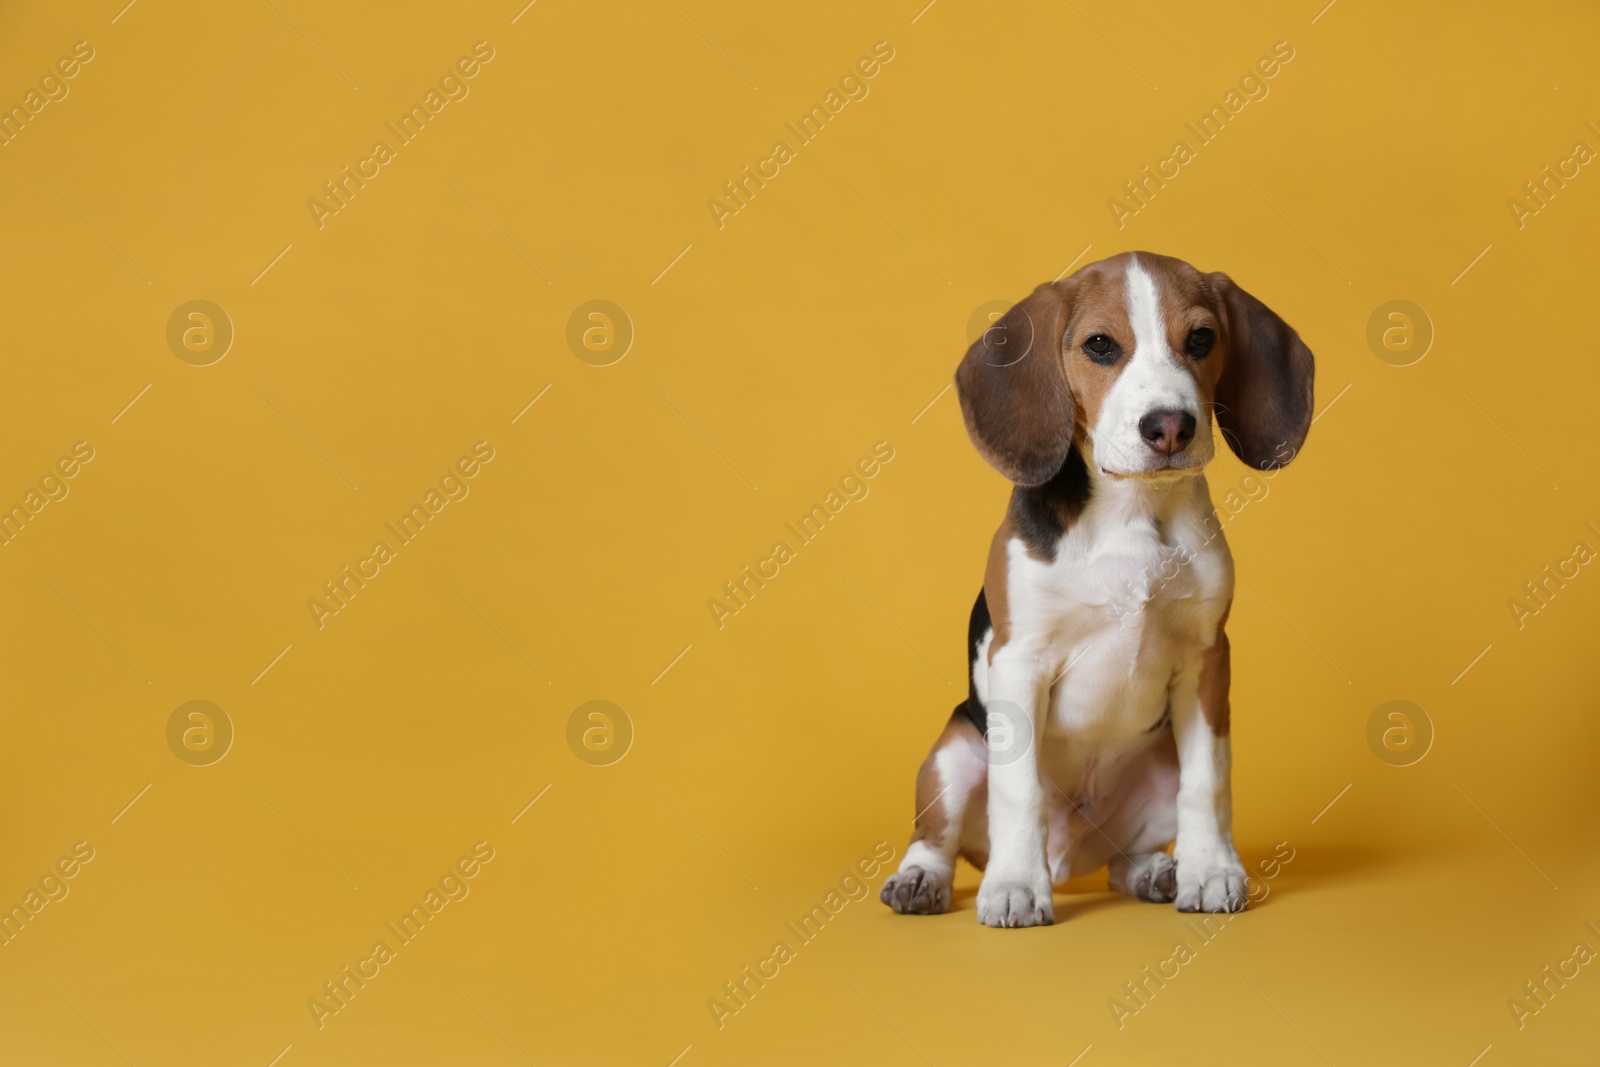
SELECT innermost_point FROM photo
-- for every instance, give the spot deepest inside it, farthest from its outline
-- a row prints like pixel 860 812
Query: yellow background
pixel 826 316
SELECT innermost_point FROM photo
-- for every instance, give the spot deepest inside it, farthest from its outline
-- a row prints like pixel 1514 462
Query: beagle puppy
pixel 1095 732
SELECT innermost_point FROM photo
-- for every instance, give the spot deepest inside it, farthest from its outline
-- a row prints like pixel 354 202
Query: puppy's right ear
pixel 1013 389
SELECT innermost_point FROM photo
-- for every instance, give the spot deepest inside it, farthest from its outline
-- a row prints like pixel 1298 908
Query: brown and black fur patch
pixel 1040 515
pixel 978 624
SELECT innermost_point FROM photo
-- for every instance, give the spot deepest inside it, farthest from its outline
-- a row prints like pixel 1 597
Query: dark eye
pixel 1101 349
pixel 1200 342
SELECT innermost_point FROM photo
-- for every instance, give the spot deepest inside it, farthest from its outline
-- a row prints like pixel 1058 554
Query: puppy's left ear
pixel 1263 400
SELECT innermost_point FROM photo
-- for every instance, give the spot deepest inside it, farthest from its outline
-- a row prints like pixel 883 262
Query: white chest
pixel 1134 595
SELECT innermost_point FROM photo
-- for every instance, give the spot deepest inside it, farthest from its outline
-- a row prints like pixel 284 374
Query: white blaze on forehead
pixel 1144 315
pixel 1152 379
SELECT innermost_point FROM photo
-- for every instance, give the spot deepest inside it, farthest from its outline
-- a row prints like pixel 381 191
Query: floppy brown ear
pixel 1013 389
pixel 1263 399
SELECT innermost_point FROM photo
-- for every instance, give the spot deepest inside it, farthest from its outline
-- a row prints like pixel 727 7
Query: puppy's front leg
pixel 1210 876
pixel 1016 882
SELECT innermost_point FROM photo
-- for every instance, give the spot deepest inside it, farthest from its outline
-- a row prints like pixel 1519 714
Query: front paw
pixel 1015 902
pixel 1213 887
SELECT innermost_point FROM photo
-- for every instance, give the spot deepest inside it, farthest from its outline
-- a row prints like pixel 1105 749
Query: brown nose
pixel 1168 432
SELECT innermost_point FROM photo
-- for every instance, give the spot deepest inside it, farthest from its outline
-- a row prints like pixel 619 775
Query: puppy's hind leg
pixel 1151 876
pixel 954 772
pixel 1144 822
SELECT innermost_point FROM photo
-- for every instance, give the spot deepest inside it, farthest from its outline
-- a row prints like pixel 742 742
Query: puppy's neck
pixel 1133 499
pixel 1041 515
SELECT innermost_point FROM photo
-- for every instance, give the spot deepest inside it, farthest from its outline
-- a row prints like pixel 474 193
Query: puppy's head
pixel 1128 360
